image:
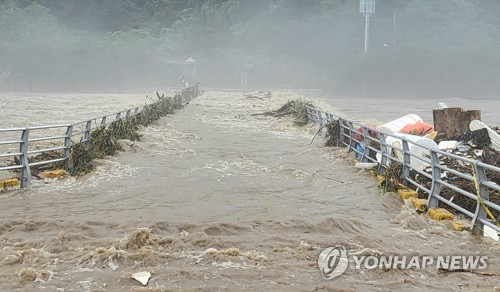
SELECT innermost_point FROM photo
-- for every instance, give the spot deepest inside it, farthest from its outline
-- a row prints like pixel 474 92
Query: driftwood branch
pixel 1 108
pixel 442 271
pixel 160 97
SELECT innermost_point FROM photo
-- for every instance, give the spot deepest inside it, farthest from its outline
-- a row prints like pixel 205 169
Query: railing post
pixel 483 191
pixel 366 142
pixel 383 152
pixel 136 111
pixel 341 132
pixel 86 133
pixel 129 111
pixel 432 200
pixel 406 161
pixel 320 120
pixel 67 145
pixel 351 138
pixel 23 149
pixel 117 119
pixel 103 122
pixel 329 117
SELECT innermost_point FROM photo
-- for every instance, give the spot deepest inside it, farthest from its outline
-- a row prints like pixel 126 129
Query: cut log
pixel 454 121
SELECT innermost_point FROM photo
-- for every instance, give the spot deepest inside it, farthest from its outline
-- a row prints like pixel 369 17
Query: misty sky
pixel 417 48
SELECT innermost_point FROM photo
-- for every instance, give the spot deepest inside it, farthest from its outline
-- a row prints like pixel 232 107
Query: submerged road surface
pixel 216 198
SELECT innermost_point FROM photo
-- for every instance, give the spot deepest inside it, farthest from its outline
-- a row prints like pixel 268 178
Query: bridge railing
pixel 52 139
pixel 23 149
pixel 425 168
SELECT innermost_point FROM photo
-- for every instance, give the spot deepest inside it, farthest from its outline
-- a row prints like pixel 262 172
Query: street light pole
pixel 367 32
pixel 367 8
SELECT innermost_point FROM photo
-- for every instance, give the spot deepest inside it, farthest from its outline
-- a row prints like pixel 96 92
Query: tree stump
pixel 454 121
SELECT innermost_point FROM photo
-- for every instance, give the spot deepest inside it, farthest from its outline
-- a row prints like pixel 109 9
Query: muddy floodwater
pixel 217 198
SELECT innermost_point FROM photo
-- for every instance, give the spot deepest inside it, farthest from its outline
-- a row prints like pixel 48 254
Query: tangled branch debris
pixel 392 180
pixel 297 107
pixel 104 141
pixel 489 156
pixel 333 134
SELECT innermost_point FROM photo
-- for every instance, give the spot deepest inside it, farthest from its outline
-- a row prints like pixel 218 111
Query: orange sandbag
pixel 419 129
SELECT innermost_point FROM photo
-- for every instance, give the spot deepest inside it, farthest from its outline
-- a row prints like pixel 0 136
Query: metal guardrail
pixel 29 143
pixel 353 134
pixel 59 140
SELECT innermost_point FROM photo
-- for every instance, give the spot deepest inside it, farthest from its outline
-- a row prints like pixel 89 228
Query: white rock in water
pixel 142 277
pixel 304 246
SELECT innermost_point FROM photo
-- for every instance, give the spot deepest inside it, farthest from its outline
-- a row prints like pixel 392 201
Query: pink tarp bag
pixel 371 132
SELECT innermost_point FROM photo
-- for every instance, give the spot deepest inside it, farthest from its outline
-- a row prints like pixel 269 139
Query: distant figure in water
pixel 184 82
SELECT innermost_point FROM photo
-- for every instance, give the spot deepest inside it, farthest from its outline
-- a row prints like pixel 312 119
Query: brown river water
pixel 216 198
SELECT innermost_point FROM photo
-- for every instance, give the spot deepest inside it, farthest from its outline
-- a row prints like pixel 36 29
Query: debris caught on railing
pixel 472 145
pixel 77 157
pixel 418 149
pixel 297 107
pixel 397 125
pixel 391 180
pixel 333 134
pixel 448 145
pixel 477 145
pixel 359 136
pixel 477 138
pixel 487 156
pixel 420 128
pixel 104 141
pixel 494 137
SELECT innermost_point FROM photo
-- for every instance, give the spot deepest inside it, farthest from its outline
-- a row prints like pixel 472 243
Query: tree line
pixel 417 48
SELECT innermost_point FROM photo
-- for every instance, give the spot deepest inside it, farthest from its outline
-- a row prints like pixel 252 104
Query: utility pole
pixel 367 8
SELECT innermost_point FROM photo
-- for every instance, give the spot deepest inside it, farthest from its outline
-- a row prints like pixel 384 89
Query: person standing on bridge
pixel 184 82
